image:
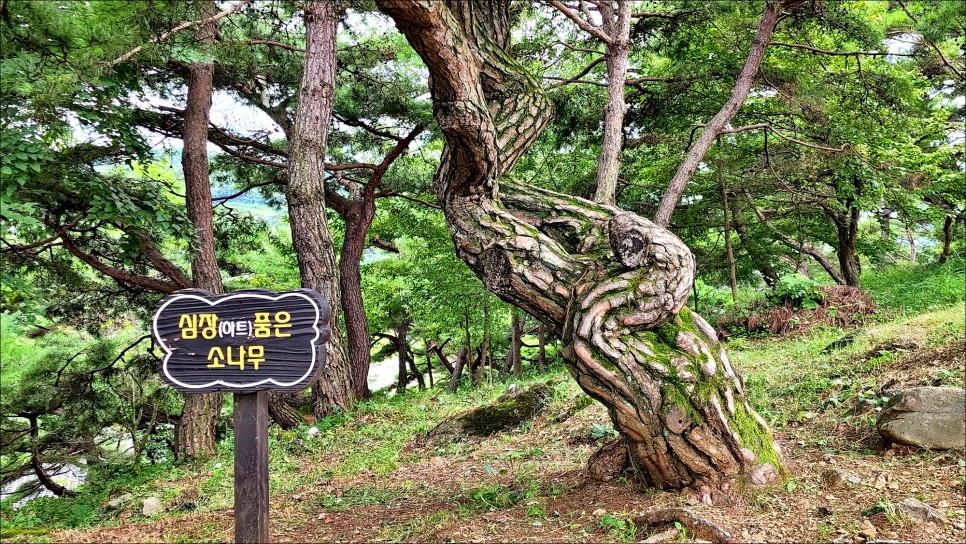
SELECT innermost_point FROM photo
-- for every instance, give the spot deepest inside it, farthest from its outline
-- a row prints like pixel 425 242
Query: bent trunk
pixel 611 284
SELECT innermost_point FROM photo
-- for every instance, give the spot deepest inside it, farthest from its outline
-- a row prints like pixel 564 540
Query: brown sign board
pixel 244 341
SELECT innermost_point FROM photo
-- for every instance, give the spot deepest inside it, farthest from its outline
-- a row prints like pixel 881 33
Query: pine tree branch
pixel 188 24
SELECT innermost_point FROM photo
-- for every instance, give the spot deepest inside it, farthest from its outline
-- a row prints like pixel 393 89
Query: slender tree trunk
pixel 454 378
pixel 947 238
pixel 542 347
pixel 732 280
pixel 429 367
pixel 485 359
pixel 617 299
pixel 38 466
pixel 357 223
pixel 420 382
pixel 195 431
pixel 617 24
pixel 912 244
pixel 711 130
pixel 516 342
pixel 305 194
pixel 401 343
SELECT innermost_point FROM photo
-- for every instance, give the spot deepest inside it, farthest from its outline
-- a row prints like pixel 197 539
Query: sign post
pixel 245 342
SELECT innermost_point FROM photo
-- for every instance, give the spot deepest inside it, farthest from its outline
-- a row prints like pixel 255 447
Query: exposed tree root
pixel 610 461
pixel 699 527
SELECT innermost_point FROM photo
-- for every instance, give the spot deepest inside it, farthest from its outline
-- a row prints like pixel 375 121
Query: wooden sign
pixel 245 341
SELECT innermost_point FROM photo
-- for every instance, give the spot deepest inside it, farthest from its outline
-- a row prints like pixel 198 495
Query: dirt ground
pixel 530 486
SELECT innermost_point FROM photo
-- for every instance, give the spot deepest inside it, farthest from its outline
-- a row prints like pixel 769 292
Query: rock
pixel 833 477
pixel 114 503
pixel 599 513
pixel 313 432
pixel 868 530
pixel 152 506
pixel 917 510
pixel 764 474
pixel 925 417
pixel 509 411
pixel 667 536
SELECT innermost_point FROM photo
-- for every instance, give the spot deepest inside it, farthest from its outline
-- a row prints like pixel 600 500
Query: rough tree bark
pixel 614 31
pixel 305 194
pixel 739 93
pixel 358 213
pixel 195 431
pixel 611 284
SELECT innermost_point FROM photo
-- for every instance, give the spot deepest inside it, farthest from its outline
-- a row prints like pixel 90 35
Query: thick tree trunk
pixel 617 25
pixel 283 414
pixel 611 284
pixel 195 431
pixel 947 238
pixel 305 194
pixel 739 93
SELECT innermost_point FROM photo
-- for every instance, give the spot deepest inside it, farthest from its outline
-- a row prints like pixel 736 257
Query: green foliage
pixel 797 290
pixel 620 530
pixel 914 288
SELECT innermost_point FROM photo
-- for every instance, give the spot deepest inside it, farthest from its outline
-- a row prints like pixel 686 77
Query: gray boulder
pixel 152 506
pixel 926 417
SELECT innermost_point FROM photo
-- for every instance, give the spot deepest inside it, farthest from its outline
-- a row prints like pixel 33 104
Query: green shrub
pixel 797 290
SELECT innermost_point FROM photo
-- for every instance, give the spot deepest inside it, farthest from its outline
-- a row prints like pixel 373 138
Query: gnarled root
pixel 699 527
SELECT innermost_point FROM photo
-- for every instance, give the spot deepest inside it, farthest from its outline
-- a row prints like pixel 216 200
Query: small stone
pixel 599 513
pixel 114 503
pixel 668 536
pixel 152 506
pixel 868 530
pixel 880 481
pixel 537 524
pixel 917 510
pixel 764 474
pixel 893 486
pixel 832 478
pixel 312 432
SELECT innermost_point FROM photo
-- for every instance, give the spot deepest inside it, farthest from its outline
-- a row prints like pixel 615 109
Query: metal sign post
pixel 246 342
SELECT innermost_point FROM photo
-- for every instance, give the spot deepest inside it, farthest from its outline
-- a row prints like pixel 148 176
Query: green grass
pixel 793 379
pixel 913 288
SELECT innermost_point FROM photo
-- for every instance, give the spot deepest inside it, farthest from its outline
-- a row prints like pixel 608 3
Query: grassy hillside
pixel 367 476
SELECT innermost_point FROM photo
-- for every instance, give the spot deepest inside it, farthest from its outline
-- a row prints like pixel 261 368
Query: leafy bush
pixel 797 290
